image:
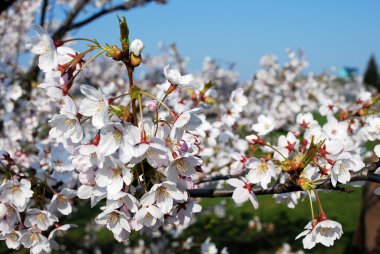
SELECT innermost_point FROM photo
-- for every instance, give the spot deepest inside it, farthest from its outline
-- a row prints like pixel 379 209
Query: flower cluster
pixel 138 148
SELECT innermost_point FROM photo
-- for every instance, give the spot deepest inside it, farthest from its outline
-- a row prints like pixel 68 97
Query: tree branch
pixel 65 27
pixel 365 174
pixel 44 6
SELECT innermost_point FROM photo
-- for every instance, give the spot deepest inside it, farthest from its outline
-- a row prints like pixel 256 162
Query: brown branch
pixel 365 174
pixel 44 6
pixel 65 26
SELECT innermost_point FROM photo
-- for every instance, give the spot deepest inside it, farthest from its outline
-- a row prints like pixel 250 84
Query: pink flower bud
pixel 182 146
pixel 189 183
pixel 152 105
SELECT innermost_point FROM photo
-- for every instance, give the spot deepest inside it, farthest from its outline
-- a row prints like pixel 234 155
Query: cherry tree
pixel 145 150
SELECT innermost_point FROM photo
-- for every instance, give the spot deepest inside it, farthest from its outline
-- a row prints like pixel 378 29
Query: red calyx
pixel 96 140
pixel 58 43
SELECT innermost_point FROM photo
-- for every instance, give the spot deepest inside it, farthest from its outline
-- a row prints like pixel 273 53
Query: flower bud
pixel 124 34
pixel 136 47
pixel 152 105
pixel 182 146
pixel 114 52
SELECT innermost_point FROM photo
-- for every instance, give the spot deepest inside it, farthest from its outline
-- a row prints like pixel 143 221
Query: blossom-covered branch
pixel 365 174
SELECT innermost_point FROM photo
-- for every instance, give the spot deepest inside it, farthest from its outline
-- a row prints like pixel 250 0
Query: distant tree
pixel 371 75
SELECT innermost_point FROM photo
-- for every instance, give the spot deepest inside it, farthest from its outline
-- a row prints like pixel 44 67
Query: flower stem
pixel 311 206
pixel 158 100
pixel 79 39
pixel 275 149
pixel 158 108
pixel 321 213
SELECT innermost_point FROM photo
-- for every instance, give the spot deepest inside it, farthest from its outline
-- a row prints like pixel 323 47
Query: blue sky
pixel 332 33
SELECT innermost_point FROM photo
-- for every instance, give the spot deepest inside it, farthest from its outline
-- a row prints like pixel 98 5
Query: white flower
pixel 184 166
pixel 60 159
pixel 113 175
pixel 290 199
pixel 148 216
pixel 123 199
pixel 153 151
pixel 265 125
pixel 325 232
pixel 238 99
pixel 163 194
pixel 187 121
pixel 328 108
pixel 95 105
pixel 117 222
pixel 260 171
pixel 208 247
pixel 60 230
pixel 238 166
pixel 40 219
pixel 175 78
pixel 43 46
pixel 61 201
pixel 16 193
pixel 12 239
pixel 115 136
pixel 35 241
pixel 86 156
pixel 305 120
pixel 136 47
pixel 66 124
pixel 335 129
pixel 243 191
pixel 54 84
pixel 184 211
pixel 342 167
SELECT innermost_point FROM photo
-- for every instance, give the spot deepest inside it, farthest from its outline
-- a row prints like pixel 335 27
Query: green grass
pixel 233 231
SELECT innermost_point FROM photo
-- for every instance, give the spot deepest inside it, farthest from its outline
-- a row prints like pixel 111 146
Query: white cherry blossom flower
pixel 12 239
pixel 16 193
pixel 154 151
pixel 115 136
pixel 208 247
pixel 260 171
pixel 175 78
pixel 265 125
pixel 117 222
pixel 60 231
pixel 148 216
pixel 342 167
pixel 60 159
pixel 34 240
pixel 324 232
pixel 113 175
pixel 40 219
pixel 61 201
pixel 43 45
pixel 163 194
pixel 184 211
pixel 238 99
pixel 243 191
pixel 95 105
pixel 66 124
